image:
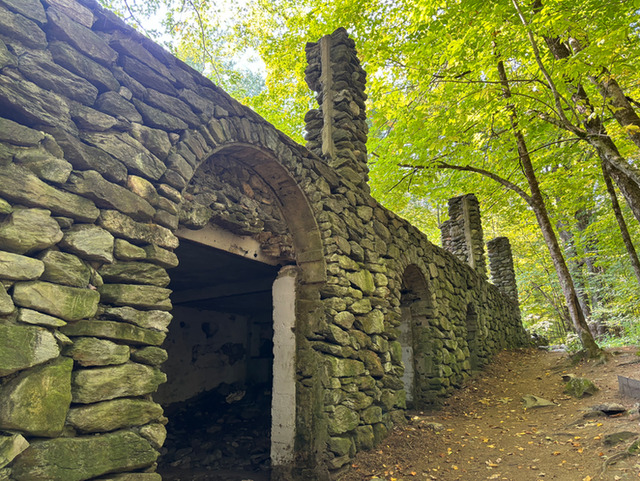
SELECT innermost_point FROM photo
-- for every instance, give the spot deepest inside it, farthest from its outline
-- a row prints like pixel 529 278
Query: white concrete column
pixel 283 404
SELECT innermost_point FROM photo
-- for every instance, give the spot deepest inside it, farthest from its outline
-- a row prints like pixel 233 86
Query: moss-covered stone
pixel 135 272
pixel 89 351
pixel 68 303
pixel 155 433
pixel 10 446
pixel 104 383
pixel 146 297
pixel 126 251
pixel 342 420
pixel 29 316
pixel 344 367
pixel 25 346
pixel 77 459
pixel 154 356
pixel 158 320
pixel 111 415
pixel 115 331
pixel 580 387
pixel 6 303
pixel 19 268
pixel 89 242
pixel 28 230
pixel 36 402
pixel 66 269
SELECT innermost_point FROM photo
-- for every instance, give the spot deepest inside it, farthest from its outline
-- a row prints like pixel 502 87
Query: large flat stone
pixel 19 268
pixel 29 8
pixel 81 458
pixel 6 303
pixel 116 331
pixel 109 195
pixel 124 226
pixel 68 303
pixel 29 230
pixel 64 268
pixel 86 157
pixel 35 104
pixel 29 316
pixel 89 242
pixel 134 272
pixel 18 134
pixel 21 28
pixel 82 38
pixel 36 402
pixel 158 320
pixel 22 186
pixel 111 415
pixel 128 151
pixel 89 351
pixel 38 67
pixel 104 383
pixel 146 297
pixel 65 55
pixel 10 446
pixel 22 347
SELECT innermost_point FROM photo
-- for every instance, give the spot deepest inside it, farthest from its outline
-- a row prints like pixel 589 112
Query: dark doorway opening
pixel 220 368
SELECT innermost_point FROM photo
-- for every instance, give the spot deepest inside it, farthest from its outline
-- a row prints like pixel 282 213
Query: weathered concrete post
pixel 503 274
pixel 337 131
pixel 462 233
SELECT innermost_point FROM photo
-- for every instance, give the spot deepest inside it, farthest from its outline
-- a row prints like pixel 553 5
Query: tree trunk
pixel 633 256
pixel 575 268
pixel 625 175
pixel 540 210
pixel 620 107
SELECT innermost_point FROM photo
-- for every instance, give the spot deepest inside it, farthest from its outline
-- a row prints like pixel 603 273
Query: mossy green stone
pixel 104 383
pixel 111 415
pixel 342 420
pixel 36 402
pixel 344 367
pixel 116 331
pixel 68 303
pixel 146 297
pixel 25 346
pixel 77 459
pixel 580 387
pixel 16 267
pixel 89 351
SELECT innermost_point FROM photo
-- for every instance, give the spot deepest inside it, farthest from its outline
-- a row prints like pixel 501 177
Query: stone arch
pixel 415 338
pixel 302 270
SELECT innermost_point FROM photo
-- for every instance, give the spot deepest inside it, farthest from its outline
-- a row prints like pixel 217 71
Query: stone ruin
pixel 184 289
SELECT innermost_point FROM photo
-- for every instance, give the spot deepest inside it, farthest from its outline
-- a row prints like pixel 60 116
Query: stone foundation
pixel 130 183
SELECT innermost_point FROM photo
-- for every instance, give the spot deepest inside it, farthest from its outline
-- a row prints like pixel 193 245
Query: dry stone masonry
pixel 160 244
pixel 503 274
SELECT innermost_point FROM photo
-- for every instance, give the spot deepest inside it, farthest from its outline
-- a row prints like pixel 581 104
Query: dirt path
pixel 486 433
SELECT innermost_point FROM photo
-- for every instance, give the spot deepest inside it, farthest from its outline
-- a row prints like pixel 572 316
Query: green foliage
pixel 435 100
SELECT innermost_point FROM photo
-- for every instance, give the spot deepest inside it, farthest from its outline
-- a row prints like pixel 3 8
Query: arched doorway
pixel 246 248
pixel 418 357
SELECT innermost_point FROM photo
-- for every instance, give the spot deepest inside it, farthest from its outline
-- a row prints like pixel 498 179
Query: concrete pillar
pixel 503 275
pixel 283 405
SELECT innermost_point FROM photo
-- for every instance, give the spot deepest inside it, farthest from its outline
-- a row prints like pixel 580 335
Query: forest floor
pixel 483 431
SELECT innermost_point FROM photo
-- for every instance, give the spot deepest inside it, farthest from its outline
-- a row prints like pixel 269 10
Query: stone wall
pixel 109 147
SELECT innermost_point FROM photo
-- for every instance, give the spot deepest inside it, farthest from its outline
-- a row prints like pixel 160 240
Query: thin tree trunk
pixel 624 174
pixel 540 211
pixel 620 107
pixel 575 267
pixel 633 256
